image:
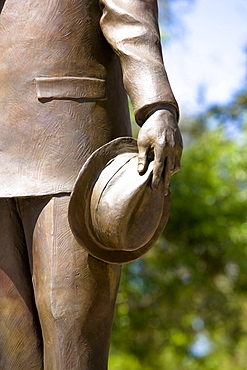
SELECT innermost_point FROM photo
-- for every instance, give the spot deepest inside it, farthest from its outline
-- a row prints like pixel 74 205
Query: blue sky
pixel 205 61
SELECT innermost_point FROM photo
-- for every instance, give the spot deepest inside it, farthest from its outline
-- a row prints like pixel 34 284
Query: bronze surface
pixel 66 67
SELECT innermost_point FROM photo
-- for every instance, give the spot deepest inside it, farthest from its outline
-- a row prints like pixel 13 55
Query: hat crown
pixel 125 210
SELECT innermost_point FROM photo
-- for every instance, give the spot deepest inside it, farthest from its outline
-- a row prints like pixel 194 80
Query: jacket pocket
pixel 70 88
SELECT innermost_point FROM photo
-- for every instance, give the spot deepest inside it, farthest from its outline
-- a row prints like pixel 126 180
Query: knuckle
pixel 141 158
pixel 159 162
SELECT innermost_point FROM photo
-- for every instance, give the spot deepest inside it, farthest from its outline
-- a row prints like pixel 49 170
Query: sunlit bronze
pixel 65 68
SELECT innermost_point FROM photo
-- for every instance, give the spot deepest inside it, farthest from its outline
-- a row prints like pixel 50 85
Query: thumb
pixel 142 159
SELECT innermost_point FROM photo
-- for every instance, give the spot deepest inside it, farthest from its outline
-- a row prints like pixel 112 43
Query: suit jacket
pixel 65 67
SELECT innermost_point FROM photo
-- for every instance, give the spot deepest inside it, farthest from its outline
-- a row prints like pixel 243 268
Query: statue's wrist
pixel 147 111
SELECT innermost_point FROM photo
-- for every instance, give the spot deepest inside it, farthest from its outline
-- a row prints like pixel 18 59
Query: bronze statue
pixel 65 68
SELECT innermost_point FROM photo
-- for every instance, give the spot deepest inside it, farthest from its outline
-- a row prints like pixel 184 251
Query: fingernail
pixel 167 188
pixel 140 167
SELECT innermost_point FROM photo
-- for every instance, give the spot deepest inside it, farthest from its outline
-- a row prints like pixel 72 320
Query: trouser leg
pixel 75 293
pixel 20 336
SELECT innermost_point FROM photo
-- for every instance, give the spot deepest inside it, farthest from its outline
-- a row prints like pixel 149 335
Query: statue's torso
pixel 61 94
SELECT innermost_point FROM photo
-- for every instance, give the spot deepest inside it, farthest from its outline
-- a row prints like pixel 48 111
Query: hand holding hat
pixel 161 135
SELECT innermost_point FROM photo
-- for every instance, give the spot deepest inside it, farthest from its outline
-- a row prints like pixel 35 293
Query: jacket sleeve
pixel 131 28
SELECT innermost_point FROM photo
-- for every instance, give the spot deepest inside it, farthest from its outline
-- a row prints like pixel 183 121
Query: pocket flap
pixel 70 88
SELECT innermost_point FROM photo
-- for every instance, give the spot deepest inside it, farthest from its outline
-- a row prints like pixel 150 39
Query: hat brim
pixel 79 207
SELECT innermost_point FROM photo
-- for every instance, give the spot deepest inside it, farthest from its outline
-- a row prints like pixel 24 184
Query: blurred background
pixel 184 305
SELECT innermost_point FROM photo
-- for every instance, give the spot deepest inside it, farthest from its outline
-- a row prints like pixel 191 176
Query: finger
pixel 142 159
pixel 167 182
pixel 176 167
pixel 177 160
pixel 159 159
pixel 169 171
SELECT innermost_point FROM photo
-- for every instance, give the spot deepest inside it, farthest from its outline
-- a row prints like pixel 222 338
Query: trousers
pixel 56 301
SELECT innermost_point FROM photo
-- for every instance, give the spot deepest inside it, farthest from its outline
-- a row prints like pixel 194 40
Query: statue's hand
pixel 160 135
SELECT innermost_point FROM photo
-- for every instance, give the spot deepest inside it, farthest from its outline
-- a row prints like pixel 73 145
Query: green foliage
pixel 183 305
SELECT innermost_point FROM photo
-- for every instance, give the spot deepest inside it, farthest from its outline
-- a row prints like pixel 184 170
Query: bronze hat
pixel 113 212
